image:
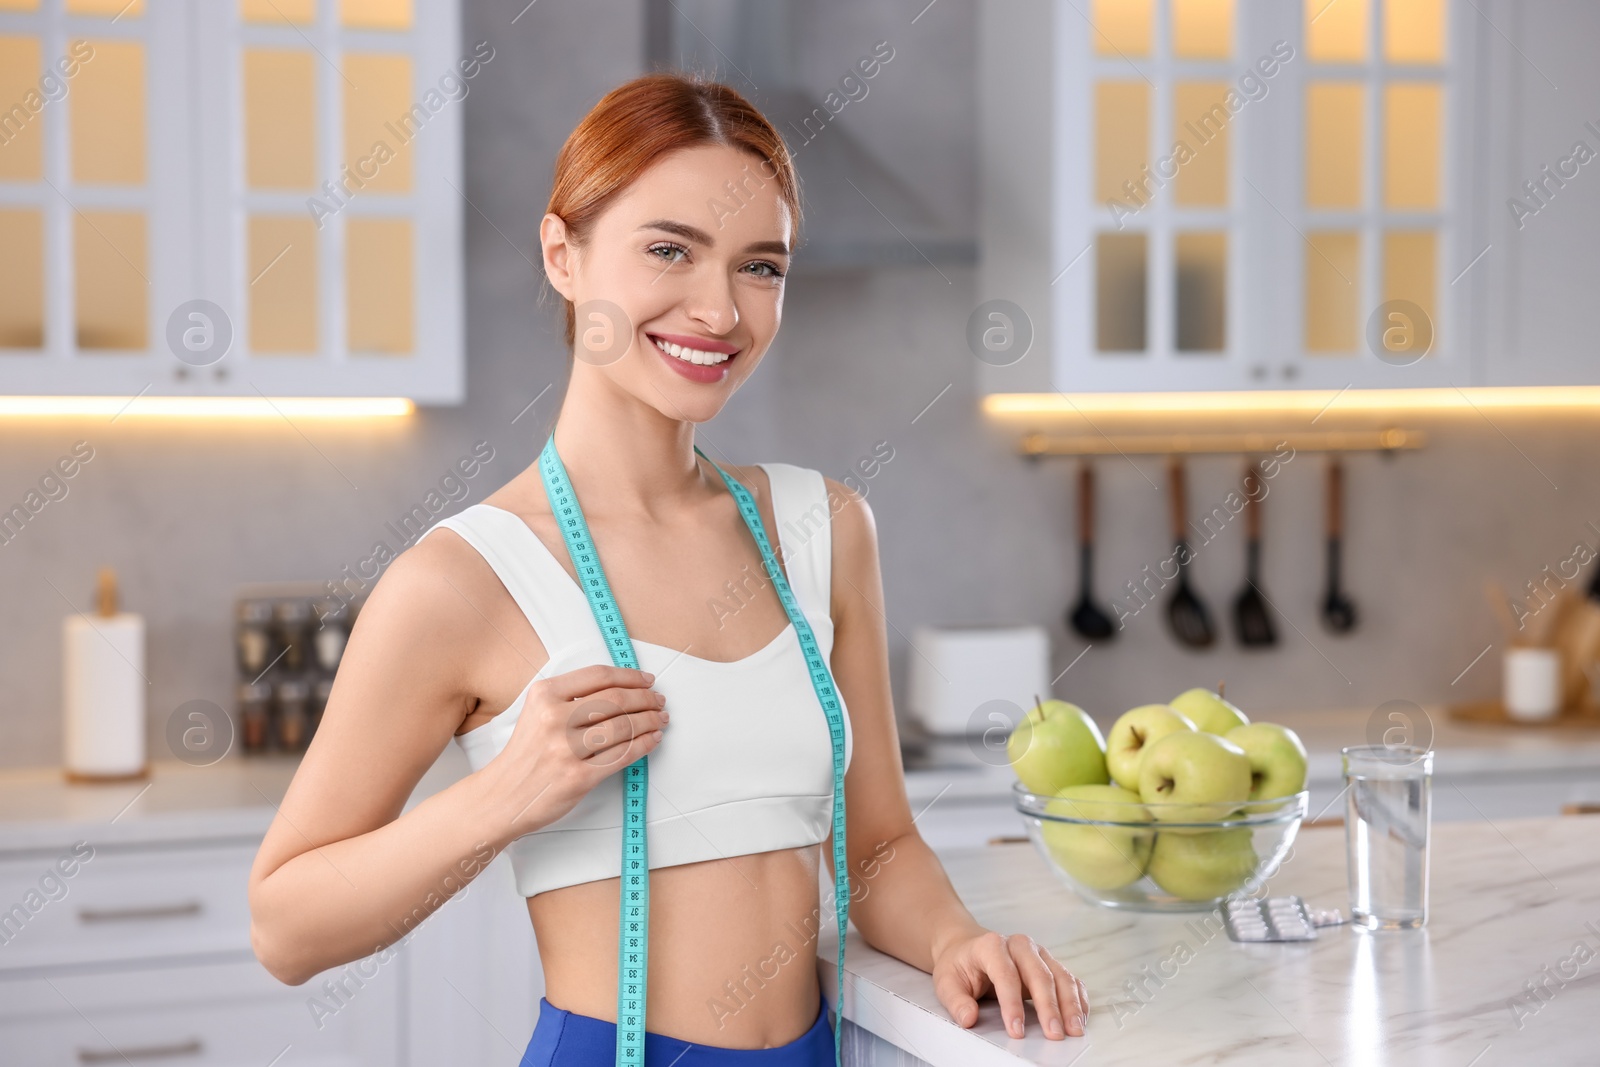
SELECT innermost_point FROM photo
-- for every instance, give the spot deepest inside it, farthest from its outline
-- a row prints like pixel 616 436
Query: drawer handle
pixel 191 1047
pixel 122 915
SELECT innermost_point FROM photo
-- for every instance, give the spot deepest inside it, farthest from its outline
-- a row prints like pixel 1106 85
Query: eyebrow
pixel 692 233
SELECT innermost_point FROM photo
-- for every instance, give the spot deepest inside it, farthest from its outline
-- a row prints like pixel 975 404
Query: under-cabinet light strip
pixel 208 407
pixel 1298 400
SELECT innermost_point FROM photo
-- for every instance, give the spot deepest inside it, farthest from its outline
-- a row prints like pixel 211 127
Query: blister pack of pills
pixel 1275 919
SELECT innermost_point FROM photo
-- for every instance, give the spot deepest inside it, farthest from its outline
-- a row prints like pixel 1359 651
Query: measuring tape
pixel 633 940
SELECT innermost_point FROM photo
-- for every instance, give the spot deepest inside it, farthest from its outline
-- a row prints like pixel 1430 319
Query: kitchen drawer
pixel 124 904
pixel 212 1015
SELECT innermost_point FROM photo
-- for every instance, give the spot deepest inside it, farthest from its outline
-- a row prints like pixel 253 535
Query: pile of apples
pixel 1195 759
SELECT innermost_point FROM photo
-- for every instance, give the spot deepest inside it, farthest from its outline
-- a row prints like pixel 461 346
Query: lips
pixel 698 351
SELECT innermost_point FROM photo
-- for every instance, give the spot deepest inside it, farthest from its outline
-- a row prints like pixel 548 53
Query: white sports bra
pixel 746 764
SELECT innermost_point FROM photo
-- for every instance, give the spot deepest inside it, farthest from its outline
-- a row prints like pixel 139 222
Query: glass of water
pixel 1388 802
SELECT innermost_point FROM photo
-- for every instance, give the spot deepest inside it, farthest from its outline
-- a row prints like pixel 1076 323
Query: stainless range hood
pixel 858 212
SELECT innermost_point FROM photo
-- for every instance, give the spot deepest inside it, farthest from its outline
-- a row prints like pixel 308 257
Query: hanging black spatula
pixel 1086 618
pixel 1252 617
pixel 1187 616
pixel 1338 610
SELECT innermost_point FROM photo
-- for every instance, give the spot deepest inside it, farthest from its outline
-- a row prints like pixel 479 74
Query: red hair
pixel 638 122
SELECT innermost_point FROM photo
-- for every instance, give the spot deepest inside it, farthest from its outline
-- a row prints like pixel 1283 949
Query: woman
pixel 669 229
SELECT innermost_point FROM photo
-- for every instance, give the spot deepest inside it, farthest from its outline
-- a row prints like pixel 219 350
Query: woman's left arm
pixel 901 899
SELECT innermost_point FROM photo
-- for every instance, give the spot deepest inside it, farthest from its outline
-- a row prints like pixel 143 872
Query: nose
pixel 710 302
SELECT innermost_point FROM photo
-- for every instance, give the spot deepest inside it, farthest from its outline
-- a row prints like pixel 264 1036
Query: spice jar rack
pixel 288 641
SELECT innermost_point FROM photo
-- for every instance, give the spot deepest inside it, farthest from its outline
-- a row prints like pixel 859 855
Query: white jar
pixel 1532 683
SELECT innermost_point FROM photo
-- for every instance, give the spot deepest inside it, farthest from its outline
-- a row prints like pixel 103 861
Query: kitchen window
pixel 277 179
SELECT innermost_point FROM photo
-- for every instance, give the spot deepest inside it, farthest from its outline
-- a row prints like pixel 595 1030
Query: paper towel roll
pixel 105 696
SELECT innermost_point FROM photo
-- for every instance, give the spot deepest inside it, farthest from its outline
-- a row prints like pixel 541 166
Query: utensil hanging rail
pixel 1034 445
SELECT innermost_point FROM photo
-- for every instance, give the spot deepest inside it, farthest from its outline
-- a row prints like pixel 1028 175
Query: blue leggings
pixel 567 1039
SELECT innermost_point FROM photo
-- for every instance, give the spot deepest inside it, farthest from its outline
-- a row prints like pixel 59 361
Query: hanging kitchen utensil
pixel 1086 618
pixel 1187 616
pixel 1338 610
pixel 1252 618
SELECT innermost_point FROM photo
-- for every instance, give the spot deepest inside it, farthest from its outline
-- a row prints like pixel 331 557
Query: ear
pixel 559 254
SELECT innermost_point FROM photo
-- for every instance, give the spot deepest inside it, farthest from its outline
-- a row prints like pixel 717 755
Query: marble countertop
pixel 232 799
pixel 953 770
pixel 1508 900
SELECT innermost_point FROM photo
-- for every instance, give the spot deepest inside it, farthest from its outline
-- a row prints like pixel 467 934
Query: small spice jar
pixel 255 715
pixel 293 722
pixel 292 619
pixel 253 636
pixel 333 631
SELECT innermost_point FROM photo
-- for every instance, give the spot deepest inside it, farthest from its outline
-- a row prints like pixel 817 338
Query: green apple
pixel 1057 745
pixel 1135 731
pixel 1202 865
pixel 1209 711
pixel 1194 777
pixel 1277 759
pixel 1099 857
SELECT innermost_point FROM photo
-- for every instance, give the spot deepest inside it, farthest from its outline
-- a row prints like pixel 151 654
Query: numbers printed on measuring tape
pixel 633 922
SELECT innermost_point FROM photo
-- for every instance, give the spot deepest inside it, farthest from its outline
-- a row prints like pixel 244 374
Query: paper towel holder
pixel 106 614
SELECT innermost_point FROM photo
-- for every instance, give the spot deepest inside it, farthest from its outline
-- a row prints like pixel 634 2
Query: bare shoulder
pixel 429 612
pixel 433 566
pixel 855 571
pixel 855 531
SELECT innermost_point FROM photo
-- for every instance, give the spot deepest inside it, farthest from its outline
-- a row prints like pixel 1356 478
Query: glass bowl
pixel 1164 856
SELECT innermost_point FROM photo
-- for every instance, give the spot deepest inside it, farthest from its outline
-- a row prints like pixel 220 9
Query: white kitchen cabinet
pixel 128 904
pixel 147 955
pixel 210 1014
pixel 143 948
pixel 143 953
pixel 1541 267
pixel 1288 269
pixel 473 977
pixel 235 199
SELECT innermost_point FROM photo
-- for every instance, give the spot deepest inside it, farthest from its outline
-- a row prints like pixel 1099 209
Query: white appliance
pixel 961 677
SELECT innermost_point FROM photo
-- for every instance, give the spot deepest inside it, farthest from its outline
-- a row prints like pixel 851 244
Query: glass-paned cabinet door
pixel 1149 282
pixel 233 197
pixel 1259 195
pixel 95 192
pixel 1373 181
pixel 336 209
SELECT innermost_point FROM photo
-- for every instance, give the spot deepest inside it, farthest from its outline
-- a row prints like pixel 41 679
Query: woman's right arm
pixel 341 872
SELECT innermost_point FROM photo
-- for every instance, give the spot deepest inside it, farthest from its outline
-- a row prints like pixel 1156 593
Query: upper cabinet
pixel 232 197
pixel 1220 195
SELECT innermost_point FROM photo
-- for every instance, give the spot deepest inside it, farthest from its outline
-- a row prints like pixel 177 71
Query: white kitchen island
pixel 1507 971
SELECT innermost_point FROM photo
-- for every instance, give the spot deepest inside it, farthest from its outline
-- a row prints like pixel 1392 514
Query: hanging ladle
pixel 1338 610
pixel 1086 618
pixel 1252 616
pixel 1187 616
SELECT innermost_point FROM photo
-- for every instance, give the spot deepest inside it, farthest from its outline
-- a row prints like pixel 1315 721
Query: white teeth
pixel 692 355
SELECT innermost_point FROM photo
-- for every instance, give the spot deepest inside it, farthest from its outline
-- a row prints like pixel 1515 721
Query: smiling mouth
pixel 692 355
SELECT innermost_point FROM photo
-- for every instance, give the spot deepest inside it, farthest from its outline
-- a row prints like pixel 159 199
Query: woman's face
pixel 679 289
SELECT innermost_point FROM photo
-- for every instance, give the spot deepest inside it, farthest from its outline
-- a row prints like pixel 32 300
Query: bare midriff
pixel 733 945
